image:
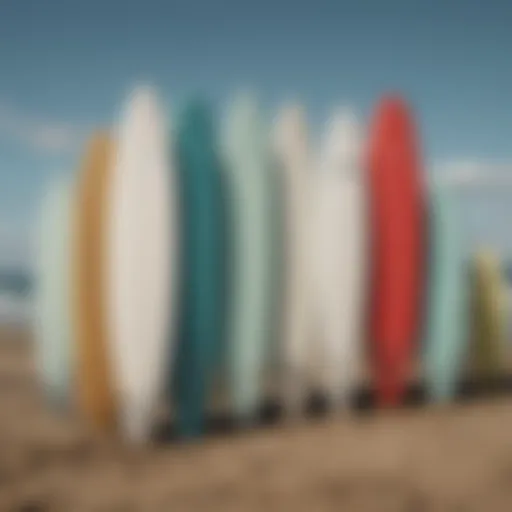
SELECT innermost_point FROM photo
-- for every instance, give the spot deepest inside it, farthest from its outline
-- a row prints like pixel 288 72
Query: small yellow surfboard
pixel 95 397
pixel 489 315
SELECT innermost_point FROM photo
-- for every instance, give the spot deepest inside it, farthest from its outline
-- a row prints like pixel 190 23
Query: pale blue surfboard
pixel 250 182
pixel 446 341
pixel 52 326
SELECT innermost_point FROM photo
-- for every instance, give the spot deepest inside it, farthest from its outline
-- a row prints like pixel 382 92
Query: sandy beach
pixel 423 459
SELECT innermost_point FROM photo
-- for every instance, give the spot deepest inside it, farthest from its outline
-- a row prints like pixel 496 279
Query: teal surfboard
pixel 447 305
pixel 52 327
pixel 200 302
pixel 250 181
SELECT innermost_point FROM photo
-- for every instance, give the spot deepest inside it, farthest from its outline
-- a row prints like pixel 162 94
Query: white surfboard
pixel 341 267
pixel 294 164
pixel 52 327
pixel 141 254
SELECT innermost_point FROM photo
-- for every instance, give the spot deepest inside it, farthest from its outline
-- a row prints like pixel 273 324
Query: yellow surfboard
pixel 95 397
pixel 489 314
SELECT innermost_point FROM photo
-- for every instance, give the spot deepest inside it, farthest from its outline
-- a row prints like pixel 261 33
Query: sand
pixel 426 459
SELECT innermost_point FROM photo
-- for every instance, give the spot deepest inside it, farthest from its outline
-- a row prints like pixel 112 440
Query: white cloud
pixel 472 174
pixel 43 136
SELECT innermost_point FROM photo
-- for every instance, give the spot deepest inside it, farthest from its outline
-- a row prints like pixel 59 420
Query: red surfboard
pixel 396 184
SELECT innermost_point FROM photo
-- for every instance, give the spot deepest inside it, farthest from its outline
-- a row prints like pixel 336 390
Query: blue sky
pixel 65 66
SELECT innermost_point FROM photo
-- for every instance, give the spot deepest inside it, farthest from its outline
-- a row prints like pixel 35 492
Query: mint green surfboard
pixel 447 305
pixel 52 328
pixel 250 183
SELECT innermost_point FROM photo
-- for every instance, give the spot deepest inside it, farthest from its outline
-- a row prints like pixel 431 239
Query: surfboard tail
pixel 390 390
pixel 391 379
pixel 136 422
pixel 294 391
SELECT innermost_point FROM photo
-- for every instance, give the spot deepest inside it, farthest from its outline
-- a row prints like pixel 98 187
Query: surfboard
pixel 141 259
pixel 95 396
pixel 508 308
pixel 294 162
pixel 201 255
pixel 446 343
pixel 397 224
pixel 341 256
pixel 52 327
pixel 488 314
pixel 248 177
